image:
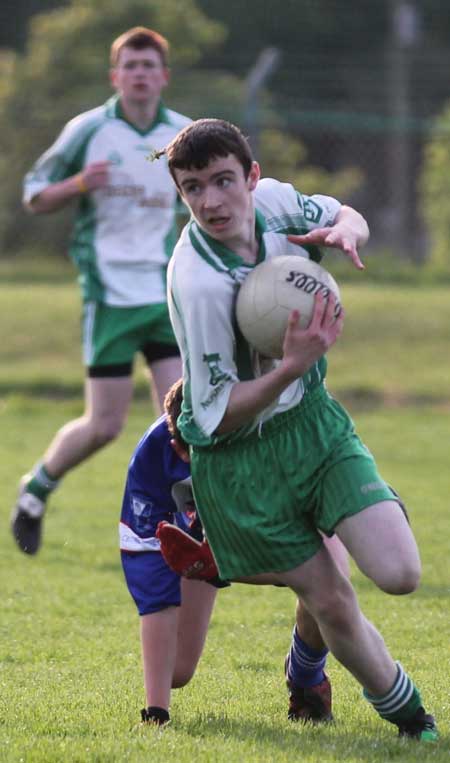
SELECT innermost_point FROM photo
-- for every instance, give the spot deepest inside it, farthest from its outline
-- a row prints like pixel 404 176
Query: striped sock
pixel 41 484
pixel 305 665
pixel 400 703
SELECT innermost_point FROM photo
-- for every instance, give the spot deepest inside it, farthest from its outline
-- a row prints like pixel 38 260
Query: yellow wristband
pixel 81 185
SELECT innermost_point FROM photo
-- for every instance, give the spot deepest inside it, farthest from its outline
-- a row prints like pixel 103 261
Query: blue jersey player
pixel 174 612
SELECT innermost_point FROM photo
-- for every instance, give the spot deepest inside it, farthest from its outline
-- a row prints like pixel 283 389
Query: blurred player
pixel 175 613
pixel 274 457
pixel 123 237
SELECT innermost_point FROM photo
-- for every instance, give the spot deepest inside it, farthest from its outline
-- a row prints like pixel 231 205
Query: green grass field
pixel 70 676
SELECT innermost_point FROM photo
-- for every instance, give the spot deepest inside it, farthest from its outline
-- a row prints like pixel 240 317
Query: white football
pixel 271 291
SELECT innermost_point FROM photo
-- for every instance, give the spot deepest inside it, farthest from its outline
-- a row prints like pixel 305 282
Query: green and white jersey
pixel 124 233
pixel 203 280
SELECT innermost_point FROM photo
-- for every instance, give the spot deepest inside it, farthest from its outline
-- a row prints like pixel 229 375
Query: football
pixel 271 291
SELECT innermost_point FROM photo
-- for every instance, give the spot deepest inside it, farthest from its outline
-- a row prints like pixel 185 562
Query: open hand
pixel 339 236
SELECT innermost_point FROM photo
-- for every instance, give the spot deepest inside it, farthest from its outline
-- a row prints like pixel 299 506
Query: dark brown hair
pixel 139 38
pixel 204 140
pixel 172 407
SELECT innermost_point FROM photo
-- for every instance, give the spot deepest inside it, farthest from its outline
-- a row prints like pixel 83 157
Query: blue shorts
pixel 151 583
pixel 157 489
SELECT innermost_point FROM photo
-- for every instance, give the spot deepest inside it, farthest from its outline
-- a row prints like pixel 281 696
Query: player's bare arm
pixel 58 195
pixel 302 348
pixel 349 232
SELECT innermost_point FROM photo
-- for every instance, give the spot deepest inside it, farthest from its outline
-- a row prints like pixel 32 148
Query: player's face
pixel 139 75
pixel 219 196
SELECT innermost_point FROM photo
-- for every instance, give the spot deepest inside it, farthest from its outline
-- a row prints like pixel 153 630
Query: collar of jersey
pixel 218 255
pixel 114 109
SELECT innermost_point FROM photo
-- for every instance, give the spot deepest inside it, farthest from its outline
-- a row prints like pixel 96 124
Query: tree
pixel 357 84
pixel 286 159
pixel 14 19
pixel 434 191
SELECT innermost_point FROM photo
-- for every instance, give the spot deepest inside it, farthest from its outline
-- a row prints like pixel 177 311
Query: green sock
pixel 41 484
pixel 401 702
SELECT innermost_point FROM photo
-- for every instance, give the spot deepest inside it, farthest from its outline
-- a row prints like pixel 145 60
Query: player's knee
pixel 399 579
pixel 335 606
pixel 106 430
pixel 182 675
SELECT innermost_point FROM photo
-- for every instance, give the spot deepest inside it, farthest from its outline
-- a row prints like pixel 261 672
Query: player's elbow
pixel 222 428
pixel 33 206
pixel 227 425
pixel 29 207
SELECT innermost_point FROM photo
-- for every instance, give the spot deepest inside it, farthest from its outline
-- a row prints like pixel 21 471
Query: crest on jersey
pixel 115 158
pixel 216 373
pixel 142 511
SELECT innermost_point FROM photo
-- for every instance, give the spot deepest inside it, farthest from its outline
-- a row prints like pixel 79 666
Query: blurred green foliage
pixel 285 158
pixel 434 187
pixel 65 72
pixel 332 73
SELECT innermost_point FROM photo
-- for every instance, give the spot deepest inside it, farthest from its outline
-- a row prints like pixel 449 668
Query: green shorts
pixel 113 335
pixel 263 499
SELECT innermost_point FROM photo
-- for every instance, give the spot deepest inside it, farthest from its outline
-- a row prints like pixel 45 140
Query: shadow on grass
pixel 370 743
pixel 57 554
pixel 53 390
pixel 368 399
pixel 360 399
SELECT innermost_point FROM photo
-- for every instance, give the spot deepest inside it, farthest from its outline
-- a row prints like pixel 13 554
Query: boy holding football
pixel 274 458
pixel 175 612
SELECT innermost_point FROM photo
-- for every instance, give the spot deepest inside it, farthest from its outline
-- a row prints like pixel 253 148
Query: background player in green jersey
pixel 274 458
pixel 123 236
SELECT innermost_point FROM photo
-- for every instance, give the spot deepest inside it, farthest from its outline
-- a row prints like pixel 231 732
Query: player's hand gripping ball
pixel 271 291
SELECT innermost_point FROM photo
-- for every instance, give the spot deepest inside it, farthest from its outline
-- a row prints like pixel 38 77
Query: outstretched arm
pixel 349 232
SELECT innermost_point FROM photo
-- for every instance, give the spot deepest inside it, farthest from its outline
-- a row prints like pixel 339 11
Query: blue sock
pixel 305 665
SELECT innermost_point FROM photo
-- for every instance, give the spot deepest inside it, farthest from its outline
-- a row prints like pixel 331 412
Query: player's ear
pixel 181 452
pixel 253 176
pixel 113 77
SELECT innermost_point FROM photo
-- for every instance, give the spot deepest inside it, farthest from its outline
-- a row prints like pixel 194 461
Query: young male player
pixel 274 458
pixel 175 613
pixel 123 236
